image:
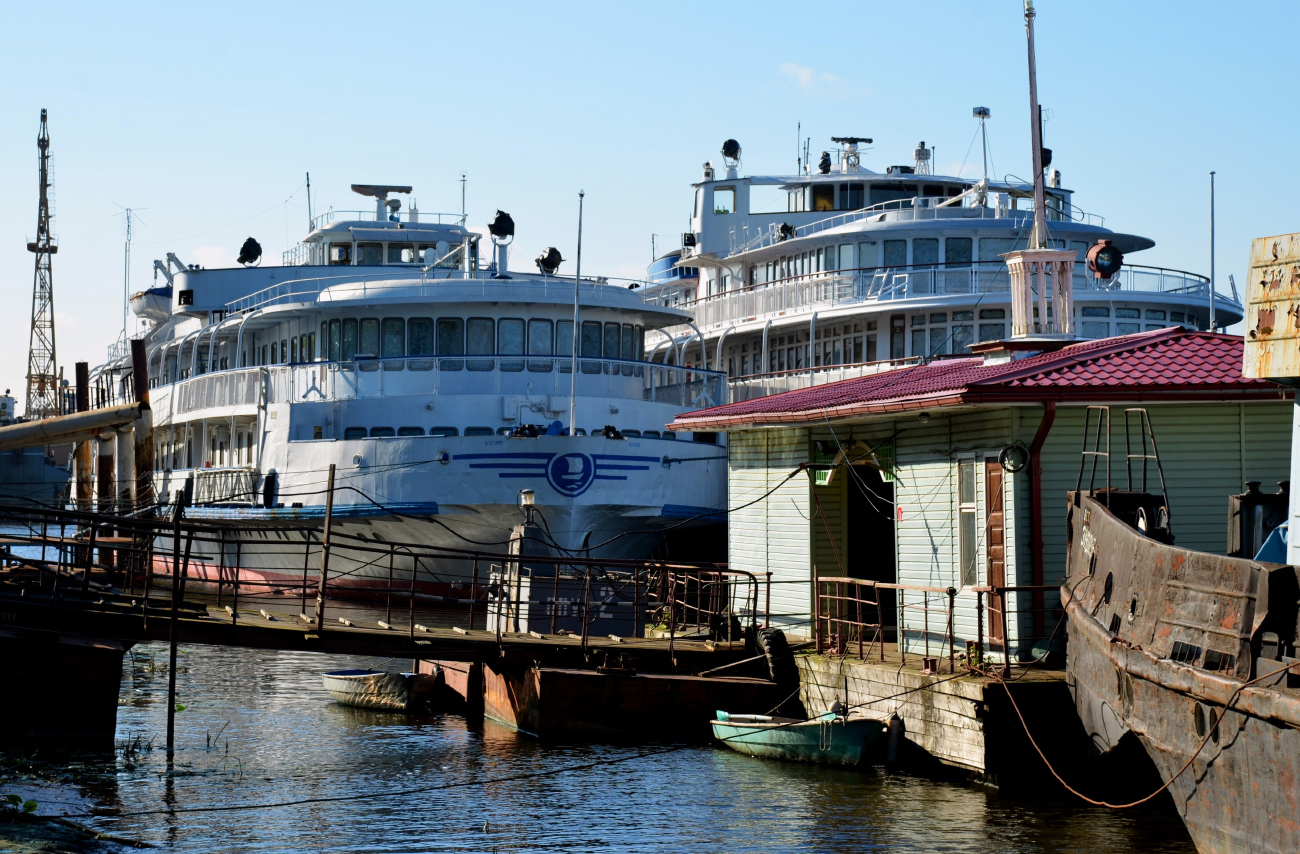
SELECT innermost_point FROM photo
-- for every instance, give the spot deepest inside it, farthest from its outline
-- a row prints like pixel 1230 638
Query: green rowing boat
pixel 829 739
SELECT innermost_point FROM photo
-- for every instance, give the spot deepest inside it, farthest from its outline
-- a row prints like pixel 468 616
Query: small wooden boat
pixel 377 689
pixel 829 739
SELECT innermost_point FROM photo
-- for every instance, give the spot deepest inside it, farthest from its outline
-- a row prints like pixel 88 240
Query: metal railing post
pixel 952 603
pixel 324 553
pixel 473 594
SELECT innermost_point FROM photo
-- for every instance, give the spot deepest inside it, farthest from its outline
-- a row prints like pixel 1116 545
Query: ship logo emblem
pixel 571 474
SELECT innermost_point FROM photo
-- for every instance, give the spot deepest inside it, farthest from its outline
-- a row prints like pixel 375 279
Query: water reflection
pixel 258 728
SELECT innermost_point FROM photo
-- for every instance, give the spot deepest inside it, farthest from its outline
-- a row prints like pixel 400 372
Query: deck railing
pixel 368 378
pixel 851 620
pixel 831 289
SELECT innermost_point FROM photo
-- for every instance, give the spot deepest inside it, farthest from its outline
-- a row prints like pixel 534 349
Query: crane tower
pixel 43 395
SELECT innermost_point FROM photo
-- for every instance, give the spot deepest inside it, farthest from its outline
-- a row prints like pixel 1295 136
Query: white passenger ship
pixel 840 271
pixel 437 382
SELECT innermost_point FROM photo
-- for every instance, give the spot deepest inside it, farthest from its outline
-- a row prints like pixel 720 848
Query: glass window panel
pixel 410 431
pixel 401 253
pixel 918 343
pixel 724 200
pixel 274 357
pixel 336 341
pixel 451 336
pixel 480 333
pixel 957 250
pixel 1127 312
pixel 1127 328
pixel 966 482
pixel 962 337
pixel 419 336
pixel 938 340
pixel 349 339
pixel 510 337
pixel 1095 329
pixel 540 337
pixel 996 313
pixel 613 340
pixel 564 337
pixel 627 349
pixel 993 331
pixel 590 339
pixel 823 197
pixel 354 433
pixel 895 253
pixel 856 195
pixel 370 254
pixel 938 318
pixel 925 250
pixel 284 350
pixel 868 254
pixel 846 256
pixel 382 432
pixel 1095 311
pixel 969 569
pixel 1177 316
pixel 993 248
pixel 369 345
pixel 394 338
pixel 478 431
pixel 1155 314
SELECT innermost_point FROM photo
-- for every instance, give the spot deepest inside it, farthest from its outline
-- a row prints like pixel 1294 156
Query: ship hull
pixel 1240 790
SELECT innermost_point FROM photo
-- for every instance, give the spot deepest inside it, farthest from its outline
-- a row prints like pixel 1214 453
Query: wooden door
pixel 995 544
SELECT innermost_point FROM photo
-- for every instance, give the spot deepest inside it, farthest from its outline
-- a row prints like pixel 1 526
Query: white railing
pixel 832 289
pixel 422 218
pixel 526 376
pixel 761 385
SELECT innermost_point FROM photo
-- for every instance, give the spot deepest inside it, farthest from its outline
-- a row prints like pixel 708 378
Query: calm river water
pixel 257 728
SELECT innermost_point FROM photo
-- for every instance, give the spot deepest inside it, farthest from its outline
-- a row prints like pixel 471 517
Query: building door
pixel 870 537
pixel 995 545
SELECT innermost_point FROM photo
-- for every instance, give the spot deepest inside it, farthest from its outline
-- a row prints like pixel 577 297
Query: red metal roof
pixel 1167 364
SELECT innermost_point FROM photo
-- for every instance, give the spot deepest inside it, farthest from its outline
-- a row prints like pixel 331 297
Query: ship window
pixel 925 250
pixel 854 197
pixel 918 320
pixel 444 432
pixel 1095 329
pixel 293 350
pixel 1127 312
pixel 382 432
pixel 1177 317
pixel 451 336
pixel 639 349
pixel 266 359
pixel 506 431
pixel 284 351
pixel 895 253
pixel 510 337
pixel 410 431
pixel 1096 311
pixel 340 253
pixel 419 336
pixel 823 197
pixel 370 254
pixel 480 337
pixel 540 337
pixel 274 358
pixel 918 343
pixel 966 527
pixel 699 195
pixel 994 313
pixel 628 349
pixel 369 345
pixel 724 200
pixel 401 253
pixel 962 337
pixel 394 338
pixel 613 338
pixel 349 351
pixel 938 318
pixel 478 431
pixel 957 250
pixel 311 346
pixel 591 339
pixel 324 340
pixel 938 340
pixel 993 248
pixel 354 433
pixel 993 331
pixel 1080 250
pixel 564 337
pixel 932 190
pixel 892 192
pixel 868 255
pixel 336 341
pixel 1155 314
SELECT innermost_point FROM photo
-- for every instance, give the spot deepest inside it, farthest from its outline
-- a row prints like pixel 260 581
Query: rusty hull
pixel 1160 638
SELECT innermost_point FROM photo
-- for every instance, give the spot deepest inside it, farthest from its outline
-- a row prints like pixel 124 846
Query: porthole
pixel 1109 588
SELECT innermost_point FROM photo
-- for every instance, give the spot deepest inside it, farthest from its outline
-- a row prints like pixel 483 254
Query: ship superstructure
pixel 439 383
pixel 840 270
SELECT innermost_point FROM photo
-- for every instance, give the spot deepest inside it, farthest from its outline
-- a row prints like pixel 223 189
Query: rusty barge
pixel 1194 654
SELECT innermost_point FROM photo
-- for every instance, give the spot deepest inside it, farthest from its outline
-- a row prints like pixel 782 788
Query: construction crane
pixel 43 393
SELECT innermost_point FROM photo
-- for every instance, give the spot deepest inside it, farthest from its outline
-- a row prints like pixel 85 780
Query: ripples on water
pixel 282 738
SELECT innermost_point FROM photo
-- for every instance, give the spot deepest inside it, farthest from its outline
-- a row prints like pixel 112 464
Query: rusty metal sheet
pixel 1272 320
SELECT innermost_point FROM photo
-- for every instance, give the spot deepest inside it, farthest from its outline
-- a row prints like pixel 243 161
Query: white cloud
pixel 820 84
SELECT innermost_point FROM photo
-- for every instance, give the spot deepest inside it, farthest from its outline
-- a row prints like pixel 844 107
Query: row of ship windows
pixel 445 432
pixel 345 339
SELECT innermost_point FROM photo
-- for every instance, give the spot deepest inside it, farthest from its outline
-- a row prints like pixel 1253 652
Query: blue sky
pixel 207 116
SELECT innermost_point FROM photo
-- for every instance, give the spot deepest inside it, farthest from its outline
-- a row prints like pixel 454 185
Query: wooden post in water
pixel 82 464
pixel 325 551
pixel 104 489
pixel 178 509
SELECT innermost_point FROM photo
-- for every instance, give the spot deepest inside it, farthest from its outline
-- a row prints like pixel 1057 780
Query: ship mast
pixel 1039 239
pixel 42 373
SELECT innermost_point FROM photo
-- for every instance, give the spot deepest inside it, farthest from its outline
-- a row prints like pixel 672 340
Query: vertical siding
pixel 772 535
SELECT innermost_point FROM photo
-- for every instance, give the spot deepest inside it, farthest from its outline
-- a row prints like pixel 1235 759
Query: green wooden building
pixel 954 474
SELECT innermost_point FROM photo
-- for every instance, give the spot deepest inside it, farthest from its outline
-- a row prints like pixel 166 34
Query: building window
pixel 968 546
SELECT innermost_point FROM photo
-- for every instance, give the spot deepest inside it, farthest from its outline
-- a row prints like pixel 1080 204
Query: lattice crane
pixel 43 394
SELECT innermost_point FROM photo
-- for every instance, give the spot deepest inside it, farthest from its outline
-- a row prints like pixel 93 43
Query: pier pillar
pixel 65 689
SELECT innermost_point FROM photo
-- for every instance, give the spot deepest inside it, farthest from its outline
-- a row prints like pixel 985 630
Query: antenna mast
pixel 1036 124
pixel 309 218
pixel 42 373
